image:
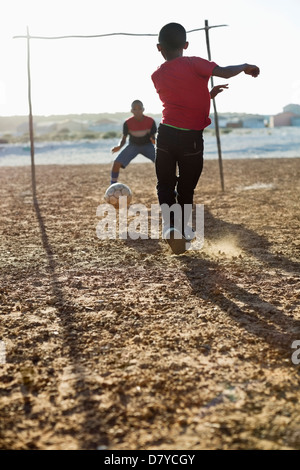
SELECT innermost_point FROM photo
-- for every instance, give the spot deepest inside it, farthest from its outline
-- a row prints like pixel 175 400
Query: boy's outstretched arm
pixel 216 90
pixel 121 144
pixel 232 70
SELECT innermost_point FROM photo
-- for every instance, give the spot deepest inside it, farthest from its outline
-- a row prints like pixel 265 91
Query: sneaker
pixel 176 240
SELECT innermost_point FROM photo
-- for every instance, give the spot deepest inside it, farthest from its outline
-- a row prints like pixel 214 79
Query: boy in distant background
pixel 182 85
pixel 141 130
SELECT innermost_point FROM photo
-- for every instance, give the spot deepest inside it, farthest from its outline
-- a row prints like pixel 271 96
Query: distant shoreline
pixel 236 144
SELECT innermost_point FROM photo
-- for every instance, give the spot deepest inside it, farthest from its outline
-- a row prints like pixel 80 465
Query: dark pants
pixel 178 151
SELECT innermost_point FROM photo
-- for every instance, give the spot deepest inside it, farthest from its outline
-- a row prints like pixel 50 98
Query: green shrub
pixel 89 135
pixel 110 135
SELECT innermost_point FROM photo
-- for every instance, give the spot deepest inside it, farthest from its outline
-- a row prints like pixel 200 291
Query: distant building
pixel 292 108
pixel 283 119
pixel 235 124
pixel 254 122
pixel 249 121
pixel 295 121
pixel 289 117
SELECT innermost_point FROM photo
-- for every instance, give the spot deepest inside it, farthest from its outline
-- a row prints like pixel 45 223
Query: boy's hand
pixel 115 149
pixel 252 70
pixel 216 90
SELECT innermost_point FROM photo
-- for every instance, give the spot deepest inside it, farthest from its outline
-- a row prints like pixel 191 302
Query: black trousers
pixel 179 164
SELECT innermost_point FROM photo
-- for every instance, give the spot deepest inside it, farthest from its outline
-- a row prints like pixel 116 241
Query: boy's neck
pixel 171 55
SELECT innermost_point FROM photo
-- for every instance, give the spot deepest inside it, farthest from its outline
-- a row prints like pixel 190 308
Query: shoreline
pixel 252 144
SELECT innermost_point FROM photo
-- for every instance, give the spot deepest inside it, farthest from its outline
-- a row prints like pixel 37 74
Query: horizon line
pixel 124 112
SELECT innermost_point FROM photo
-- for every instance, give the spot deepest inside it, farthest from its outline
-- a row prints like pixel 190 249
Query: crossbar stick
pixel 108 34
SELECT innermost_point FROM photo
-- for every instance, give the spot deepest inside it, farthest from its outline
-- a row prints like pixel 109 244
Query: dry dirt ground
pixel 118 344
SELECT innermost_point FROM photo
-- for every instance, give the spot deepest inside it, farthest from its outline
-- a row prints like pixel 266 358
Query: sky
pixel 106 74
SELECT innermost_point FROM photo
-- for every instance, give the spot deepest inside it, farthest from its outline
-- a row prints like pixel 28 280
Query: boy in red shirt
pixel 141 130
pixel 182 85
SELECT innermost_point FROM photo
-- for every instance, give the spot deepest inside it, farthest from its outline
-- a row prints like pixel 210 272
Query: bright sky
pixel 107 74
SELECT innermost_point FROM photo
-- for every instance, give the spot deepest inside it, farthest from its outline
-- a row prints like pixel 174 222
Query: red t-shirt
pixel 139 131
pixel 182 85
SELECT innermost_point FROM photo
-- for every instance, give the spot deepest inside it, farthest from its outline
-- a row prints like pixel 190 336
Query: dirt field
pixel 118 344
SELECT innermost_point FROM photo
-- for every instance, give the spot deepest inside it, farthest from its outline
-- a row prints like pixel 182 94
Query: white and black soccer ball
pixel 115 191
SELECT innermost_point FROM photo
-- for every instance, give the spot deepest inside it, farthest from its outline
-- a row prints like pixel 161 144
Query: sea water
pixel 281 142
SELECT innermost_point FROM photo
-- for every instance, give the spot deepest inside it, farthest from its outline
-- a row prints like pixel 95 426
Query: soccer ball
pixel 115 191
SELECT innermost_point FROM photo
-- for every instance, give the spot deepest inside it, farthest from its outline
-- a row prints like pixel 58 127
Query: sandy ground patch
pixel 118 344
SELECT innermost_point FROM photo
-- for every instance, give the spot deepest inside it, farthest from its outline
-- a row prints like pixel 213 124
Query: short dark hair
pixel 172 36
pixel 137 102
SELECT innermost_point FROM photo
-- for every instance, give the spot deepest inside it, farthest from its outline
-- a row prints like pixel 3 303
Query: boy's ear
pixel 186 45
pixel 158 47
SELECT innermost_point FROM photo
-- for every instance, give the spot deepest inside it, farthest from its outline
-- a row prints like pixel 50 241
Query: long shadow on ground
pixel 72 347
pixel 248 308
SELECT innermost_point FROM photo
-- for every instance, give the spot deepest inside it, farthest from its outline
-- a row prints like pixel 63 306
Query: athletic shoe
pixel 176 240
